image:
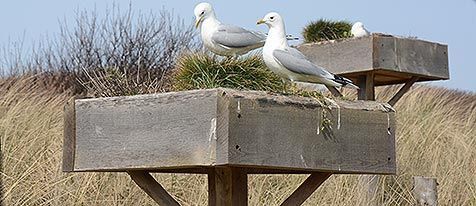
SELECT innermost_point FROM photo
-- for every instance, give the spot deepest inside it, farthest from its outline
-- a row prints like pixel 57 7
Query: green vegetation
pixel 323 30
pixel 203 71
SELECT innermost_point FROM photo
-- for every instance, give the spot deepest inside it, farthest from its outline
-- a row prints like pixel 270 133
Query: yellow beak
pixel 261 21
pixel 198 21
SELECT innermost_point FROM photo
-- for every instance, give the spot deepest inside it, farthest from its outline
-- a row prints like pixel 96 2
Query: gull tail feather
pixel 345 82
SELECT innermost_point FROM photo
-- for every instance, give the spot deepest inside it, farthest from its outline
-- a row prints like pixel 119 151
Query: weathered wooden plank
pixel 306 189
pixel 149 185
pixel 275 132
pixel 69 140
pixel 341 56
pixel 231 187
pixel 196 130
pixel 402 56
pixel 146 131
pixel 411 56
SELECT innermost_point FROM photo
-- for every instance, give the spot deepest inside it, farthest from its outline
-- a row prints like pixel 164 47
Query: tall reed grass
pixel 435 137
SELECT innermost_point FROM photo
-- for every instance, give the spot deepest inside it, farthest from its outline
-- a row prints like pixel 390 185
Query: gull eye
pixel 203 12
pixel 271 17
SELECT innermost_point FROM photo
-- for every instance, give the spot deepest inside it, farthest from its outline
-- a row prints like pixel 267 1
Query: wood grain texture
pixel 231 187
pixel 278 132
pixel 306 189
pixel 212 191
pixel 69 133
pixel 195 131
pixel 380 53
pixel 150 186
pixel 146 131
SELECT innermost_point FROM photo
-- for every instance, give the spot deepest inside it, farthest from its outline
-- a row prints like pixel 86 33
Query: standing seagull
pixel 225 40
pixel 290 63
pixel 358 30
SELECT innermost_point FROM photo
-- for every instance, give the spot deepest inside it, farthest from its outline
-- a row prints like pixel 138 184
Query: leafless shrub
pixel 118 53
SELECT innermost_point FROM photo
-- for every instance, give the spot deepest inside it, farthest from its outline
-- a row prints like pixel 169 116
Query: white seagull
pixel 226 40
pixel 288 62
pixel 358 30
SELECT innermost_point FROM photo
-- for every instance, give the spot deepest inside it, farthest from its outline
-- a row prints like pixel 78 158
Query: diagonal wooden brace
pixel 150 186
pixel 306 189
pixel 334 91
pixel 402 91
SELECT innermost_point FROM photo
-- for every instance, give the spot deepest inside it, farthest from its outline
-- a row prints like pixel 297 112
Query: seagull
pixel 358 30
pixel 290 63
pixel 226 40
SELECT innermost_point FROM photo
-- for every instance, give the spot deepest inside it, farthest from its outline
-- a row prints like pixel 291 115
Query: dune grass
pixel 435 137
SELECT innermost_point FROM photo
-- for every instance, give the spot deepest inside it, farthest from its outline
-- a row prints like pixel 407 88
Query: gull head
pixel 358 25
pixel 202 11
pixel 272 20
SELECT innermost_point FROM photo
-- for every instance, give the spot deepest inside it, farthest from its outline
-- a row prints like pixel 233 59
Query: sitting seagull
pixel 290 63
pixel 358 30
pixel 226 40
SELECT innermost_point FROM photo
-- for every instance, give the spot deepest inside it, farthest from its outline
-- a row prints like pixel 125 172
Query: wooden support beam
pixel 402 91
pixel 231 187
pixel 334 91
pixel 367 87
pixel 150 186
pixel 306 189
pixel 212 191
pixel 425 191
pixel 69 136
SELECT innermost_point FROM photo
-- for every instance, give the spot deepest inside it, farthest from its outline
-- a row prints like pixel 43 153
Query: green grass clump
pixel 202 71
pixel 323 30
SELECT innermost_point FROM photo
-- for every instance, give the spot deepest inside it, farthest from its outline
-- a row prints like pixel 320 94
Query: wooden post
pixel 367 87
pixel 368 182
pixel 231 187
pixel 425 191
pixel 212 192
pixel 306 189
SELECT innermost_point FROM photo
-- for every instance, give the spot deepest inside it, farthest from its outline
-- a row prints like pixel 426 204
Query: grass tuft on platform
pixel 324 30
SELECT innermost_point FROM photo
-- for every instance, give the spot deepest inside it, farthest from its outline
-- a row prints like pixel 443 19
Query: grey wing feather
pixel 296 62
pixel 233 36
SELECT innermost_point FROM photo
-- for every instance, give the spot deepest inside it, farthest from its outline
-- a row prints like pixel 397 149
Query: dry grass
pixel 436 137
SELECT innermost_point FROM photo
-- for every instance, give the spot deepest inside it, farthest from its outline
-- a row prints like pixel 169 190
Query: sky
pixel 449 22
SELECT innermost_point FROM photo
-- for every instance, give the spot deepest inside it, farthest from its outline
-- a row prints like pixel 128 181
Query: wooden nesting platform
pixel 390 59
pixel 228 134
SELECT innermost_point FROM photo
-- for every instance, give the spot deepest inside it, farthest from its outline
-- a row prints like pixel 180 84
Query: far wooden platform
pixel 390 59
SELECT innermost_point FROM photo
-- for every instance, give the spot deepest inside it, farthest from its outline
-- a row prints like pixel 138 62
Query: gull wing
pixel 236 37
pixel 296 62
